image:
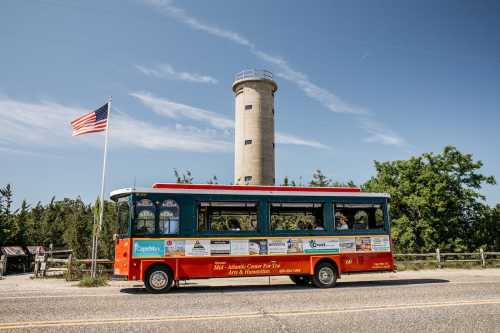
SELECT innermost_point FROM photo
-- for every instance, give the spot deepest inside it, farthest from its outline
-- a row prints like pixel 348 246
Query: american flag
pixel 95 121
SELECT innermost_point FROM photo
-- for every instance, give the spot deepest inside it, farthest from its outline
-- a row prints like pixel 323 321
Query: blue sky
pixel 358 81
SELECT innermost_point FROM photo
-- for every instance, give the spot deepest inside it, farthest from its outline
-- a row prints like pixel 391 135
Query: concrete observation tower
pixel 254 127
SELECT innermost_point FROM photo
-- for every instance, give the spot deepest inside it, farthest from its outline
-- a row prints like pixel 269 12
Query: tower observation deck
pixel 254 127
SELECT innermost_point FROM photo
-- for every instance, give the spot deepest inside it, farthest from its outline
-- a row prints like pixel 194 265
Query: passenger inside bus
pixel 234 225
pixel 359 216
pixel 301 225
pixel 342 222
pixel 318 225
pixel 227 216
pixel 296 216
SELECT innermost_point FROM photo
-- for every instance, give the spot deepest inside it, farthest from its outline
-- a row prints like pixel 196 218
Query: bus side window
pixel 144 217
pixel 297 216
pixel 227 216
pixel 358 216
pixel 169 217
pixel 123 216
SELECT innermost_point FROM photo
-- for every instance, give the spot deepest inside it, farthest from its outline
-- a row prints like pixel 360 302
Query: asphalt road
pixel 431 301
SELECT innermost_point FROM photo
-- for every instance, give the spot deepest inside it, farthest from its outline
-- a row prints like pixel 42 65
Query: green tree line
pixel 435 203
pixel 63 223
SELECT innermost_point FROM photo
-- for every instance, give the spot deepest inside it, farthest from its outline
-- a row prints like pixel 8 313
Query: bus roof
pixel 249 190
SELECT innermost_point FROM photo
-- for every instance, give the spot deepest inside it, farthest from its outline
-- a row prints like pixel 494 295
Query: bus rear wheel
pixel 158 279
pixel 325 275
pixel 301 280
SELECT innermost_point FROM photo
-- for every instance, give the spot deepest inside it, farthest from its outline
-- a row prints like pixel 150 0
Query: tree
pixel 494 226
pixel 319 179
pixel 109 229
pixel 78 228
pixel 350 183
pixel 487 232
pixel 36 235
pixel 288 182
pixel 184 178
pixel 213 180
pixel 7 227
pixel 435 199
pixel 21 219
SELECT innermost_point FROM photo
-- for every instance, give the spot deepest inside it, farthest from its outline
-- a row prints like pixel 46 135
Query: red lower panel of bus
pixel 207 267
pixel 191 268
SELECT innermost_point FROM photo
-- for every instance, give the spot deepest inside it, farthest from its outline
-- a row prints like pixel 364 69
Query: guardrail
pixel 442 259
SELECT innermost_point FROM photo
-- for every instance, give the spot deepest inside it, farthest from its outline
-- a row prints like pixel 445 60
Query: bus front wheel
pixel 325 275
pixel 301 280
pixel 158 279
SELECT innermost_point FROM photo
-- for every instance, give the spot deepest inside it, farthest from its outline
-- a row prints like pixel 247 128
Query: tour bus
pixel 174 232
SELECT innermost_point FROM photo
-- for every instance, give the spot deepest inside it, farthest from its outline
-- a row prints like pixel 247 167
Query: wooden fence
pixel 65 264
pixel 442 259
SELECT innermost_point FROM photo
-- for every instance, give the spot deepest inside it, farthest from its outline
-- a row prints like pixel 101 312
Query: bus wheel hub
pixel 326 275
pixel 158 280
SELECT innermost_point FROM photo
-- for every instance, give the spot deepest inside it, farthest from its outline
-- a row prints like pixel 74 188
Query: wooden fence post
pixel 3 262
pixel 43 265
pixel 51 247
pixel 483 258
pixel 35 270
pixel 438 258
pixel 70 265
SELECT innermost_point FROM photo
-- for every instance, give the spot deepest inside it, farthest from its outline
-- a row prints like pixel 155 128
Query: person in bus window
pixel 301 225
pixel 343 222
pixel 318 225
pixel 234 225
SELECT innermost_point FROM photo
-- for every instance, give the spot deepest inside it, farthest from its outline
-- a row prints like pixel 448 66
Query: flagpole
pixel 101 205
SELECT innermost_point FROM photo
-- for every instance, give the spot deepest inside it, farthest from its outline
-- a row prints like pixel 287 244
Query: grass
pixel 87 281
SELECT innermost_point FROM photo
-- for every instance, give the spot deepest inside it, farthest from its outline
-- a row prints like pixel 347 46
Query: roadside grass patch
pixel 87 281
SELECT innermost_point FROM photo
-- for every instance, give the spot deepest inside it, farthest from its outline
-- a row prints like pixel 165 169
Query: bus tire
pixel 158 279
pixel 325 275
pixel 301 280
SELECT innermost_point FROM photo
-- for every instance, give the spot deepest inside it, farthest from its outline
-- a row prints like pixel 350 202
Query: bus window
pixel 227 216
pixel 123 217
pixel 145 217
pixel 297 216
pixel 169 217
pixel 358 216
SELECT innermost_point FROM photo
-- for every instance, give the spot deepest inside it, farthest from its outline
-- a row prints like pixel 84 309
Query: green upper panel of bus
pixel 184 210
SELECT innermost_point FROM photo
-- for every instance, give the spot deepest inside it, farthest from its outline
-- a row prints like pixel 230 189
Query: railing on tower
pixel 253 74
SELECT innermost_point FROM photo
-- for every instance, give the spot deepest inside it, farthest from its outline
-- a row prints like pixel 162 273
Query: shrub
pixel 88 281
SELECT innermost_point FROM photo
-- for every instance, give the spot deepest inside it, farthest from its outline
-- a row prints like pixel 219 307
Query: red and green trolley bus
pixel 173 232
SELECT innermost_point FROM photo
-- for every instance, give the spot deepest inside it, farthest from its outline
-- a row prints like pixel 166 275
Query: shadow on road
pixel 194 288
pixel 400 282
